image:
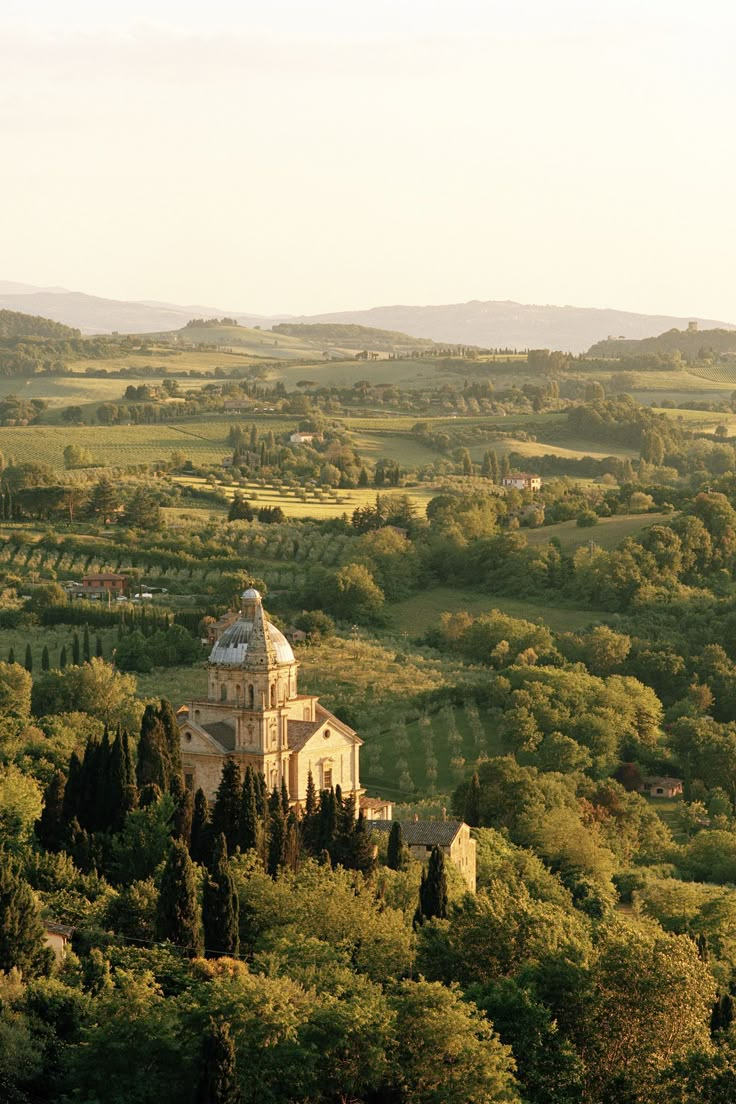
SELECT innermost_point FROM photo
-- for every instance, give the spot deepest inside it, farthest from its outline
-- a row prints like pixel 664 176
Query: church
pixel 254 713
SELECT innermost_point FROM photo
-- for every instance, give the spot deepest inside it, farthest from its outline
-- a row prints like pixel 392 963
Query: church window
pixel 327 778
pixel 237 693
pixel 223 692
pixel 189 781
pixel 327 734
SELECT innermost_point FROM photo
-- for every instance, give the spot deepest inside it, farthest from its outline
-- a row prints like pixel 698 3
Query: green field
pixel 608 533
pixel 111 446
pixel 420 612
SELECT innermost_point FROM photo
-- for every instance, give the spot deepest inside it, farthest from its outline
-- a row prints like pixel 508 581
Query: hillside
pixel 14 324
pixel 350 336
pixel 690 344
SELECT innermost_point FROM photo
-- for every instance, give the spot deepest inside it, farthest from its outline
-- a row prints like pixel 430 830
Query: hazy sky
pixel 335 154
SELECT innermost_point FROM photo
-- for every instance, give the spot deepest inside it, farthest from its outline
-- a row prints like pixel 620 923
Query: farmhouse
pixel 451 836
pixel 254 713
pixel 657 786
pixel 102 584
pixel 298 438
pixel 522 481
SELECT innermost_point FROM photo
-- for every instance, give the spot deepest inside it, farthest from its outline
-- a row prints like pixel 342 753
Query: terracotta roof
pixel 428 833
pixel 223 733
pixel 300 731
pixel 106 575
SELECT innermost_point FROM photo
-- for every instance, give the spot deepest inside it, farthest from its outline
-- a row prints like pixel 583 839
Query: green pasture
pixel 420 612
pixel 111 446
pixel 319 502
pixel 607 534
pixel 404 448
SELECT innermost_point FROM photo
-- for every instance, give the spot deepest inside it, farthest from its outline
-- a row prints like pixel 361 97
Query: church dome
pixel 230 650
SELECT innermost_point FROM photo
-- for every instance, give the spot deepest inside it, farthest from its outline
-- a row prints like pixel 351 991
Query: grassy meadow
pixel 420 612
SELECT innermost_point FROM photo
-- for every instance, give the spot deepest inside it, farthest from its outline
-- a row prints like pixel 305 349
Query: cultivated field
pixel 606 534
pixel 420 612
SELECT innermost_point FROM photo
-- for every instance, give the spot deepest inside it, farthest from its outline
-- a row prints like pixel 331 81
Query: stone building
pixel 254 713
pixel 451 836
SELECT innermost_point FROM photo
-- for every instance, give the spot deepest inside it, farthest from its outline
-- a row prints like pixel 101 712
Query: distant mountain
pixel 351 336
pixel 488 324
pixel 514 325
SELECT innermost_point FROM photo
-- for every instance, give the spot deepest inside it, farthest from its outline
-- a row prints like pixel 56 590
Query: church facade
pixel 254 713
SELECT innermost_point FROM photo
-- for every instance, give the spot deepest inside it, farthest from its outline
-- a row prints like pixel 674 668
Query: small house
pixel 103 583
pixel 375 808
pixel 302 438
pixel 451 836
pixel 522 481
pixel 657 786
pixel 58 937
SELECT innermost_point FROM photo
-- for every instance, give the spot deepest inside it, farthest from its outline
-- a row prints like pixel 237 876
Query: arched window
pixel 250 697
pixel 223 692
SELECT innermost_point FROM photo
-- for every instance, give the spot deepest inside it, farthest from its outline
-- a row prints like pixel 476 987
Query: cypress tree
pixel 75 650
pixel 45 663
pixel 311 804
pixel 177 915
pixel 22 933
pixel 70 805
pixel 11 654
pixel 327 822
pixel 120 790
pixel 494 466
pixel 248 814
pixel 50 825
pixel 276 840
pixel 284 798
pixel 153 756
pixel 183 816
pixel 86 653
pixel 62 657
pixel 220 905
pixel 226 812
pixel 170 725
pixel 361 852
pixel 28 664
pixel 89 786
pixel 218 1082
pixel 201 844
pixel 98 647
pixel 101 787
pixel 291 843
pixel 432 889
pixel 395 851
pixel 259 781
pixel 472 802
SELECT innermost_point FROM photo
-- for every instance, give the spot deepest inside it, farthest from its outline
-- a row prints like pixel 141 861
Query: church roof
pixel 418 833
pixel 300 731
pixel 222 732
pixel 251 631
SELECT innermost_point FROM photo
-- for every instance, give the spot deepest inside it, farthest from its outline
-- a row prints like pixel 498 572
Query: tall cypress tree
pixel 121 788
pixel 72 795
pixel 28 663
pixel 100 787
pixel 45 662
pixel 153 753
pixel 361 851
pixel 311 803
pixel 89 785
pixel 183 816
pixel 276 839
pixel 11 654
pixel 98 647
pixel 50 825
pixel 327 823
pixel 248 814
pixel 220 905
pixel 218 1083
pixel 177 915
pixel 395 850
pixel 62 658
pixel 22 944
pixel 201 845
pixel 86 653
pixel 471 813
pixel 284 798
pixel 226 813
pixel 170 726
pixel 433 889
pixel 75 650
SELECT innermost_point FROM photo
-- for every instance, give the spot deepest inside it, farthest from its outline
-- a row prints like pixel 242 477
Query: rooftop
pixel 427 833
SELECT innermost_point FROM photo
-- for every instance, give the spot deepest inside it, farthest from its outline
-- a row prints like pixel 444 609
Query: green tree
pixel 22 945
pixel 28 662
pixel 177 916
pixel 45 661
pixel 228 800
pixel 249 814
pixel 432 889
pixel 220 905
pixel 201 839
pixel 396 851
pixel 218 1082
pixel 153 753
pixel 50 825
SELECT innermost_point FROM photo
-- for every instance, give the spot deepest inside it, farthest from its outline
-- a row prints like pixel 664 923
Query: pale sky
pixel 301 157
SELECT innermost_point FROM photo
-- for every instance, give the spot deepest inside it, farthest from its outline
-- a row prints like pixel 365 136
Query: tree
pixel 50 826
pixel 240 508
pixel 228 800
pixel 28 662
pixel 249 814
pixel 22 936
pixel 218 1082
pixel 45 661
pixel 143 512
pixel 76 653
pixel 352 594
pixel 395 852
pixel 62 658
pixel 201 839
pixel 86 650
pixel 432 889
pixel 276 837
pixel 153 753
pixel 105 499
pixel 177 916
pixel 220 905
